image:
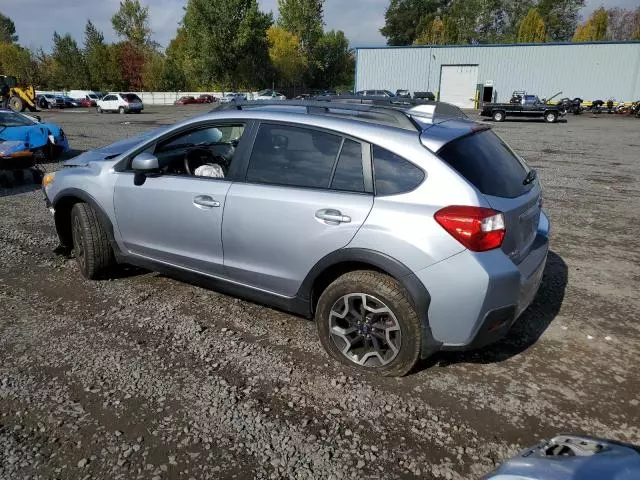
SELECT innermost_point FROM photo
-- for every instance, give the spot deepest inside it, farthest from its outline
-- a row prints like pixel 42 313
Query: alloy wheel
pixel 365 330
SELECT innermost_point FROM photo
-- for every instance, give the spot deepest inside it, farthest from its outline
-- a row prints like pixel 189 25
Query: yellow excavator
pixel 18 97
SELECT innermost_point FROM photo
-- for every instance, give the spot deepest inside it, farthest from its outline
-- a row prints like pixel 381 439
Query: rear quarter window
pixel 393 174
pixel 488 164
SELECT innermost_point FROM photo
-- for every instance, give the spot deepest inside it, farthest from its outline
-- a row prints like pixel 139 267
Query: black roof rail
pixel 385 113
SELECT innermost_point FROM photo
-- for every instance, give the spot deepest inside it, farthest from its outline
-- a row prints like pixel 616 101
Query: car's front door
pixel 306 195
pixel 175 217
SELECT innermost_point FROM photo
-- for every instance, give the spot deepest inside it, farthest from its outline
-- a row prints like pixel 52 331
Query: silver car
pixel 402 230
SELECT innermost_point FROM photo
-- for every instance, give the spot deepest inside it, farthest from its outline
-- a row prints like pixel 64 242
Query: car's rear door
pixel 306 193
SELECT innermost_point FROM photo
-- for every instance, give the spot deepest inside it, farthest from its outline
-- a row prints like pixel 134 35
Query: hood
pixel 35 135
pixel 109 152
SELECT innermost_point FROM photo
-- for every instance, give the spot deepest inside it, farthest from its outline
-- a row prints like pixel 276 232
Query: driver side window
pixel 202 152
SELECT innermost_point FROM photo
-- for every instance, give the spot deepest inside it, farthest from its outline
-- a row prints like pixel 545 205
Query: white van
pixel 84 95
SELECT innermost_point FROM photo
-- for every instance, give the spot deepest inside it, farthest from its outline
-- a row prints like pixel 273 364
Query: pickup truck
pixel 528 106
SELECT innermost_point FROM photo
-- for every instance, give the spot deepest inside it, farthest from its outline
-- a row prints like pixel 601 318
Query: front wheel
pixel 551 117
pixel 90 243
pixel 16 104
pixel 498 116
pixel 366 320
pixel 99 109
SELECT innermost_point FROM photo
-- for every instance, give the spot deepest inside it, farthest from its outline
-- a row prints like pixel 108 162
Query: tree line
pixel 220 45
pixel 456 22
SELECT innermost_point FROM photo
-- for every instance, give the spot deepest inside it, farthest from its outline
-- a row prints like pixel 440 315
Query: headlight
pixel 48 179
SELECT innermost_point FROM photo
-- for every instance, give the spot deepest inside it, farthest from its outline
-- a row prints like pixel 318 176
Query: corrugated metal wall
pixel 590 71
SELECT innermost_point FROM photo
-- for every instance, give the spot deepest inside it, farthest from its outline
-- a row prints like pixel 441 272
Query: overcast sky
pixel 36 20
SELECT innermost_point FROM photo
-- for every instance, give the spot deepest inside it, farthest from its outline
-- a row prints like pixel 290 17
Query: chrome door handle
pixel 333 216
pixel 205 201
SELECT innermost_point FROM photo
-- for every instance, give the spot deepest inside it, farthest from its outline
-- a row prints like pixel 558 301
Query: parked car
pixel 403 93
pixel 375 93
pixel 121 103
pixel 233 97
pixel 49 100
pixel 25 140
pixel 527 106
pixel 86 103
pixel 206 99
pixel 70 102
pixel 85 95
pixel 572 457
pixel 413 233
pixel 185 101
pixel 269 95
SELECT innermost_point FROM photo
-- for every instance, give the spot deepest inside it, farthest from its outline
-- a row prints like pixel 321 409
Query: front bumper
pixel 476 297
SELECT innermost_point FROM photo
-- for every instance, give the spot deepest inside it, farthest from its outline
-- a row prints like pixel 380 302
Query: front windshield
pixel 12 119
pixel 265 93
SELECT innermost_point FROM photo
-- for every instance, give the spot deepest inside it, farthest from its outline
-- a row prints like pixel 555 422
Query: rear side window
pixel 293 156
pixel 487 163
pixel 394 174
pixel 348 175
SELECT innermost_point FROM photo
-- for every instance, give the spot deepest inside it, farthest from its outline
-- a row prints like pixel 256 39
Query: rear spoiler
pixel 434 137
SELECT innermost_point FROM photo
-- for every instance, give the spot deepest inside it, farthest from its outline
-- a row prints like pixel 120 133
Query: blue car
pixel 25 140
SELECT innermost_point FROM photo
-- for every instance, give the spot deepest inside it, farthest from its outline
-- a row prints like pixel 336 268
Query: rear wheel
pixel 366 320
pixel 121 110
pixel 90 243
pixel 498 116
pixel 16 104
pixel 551 117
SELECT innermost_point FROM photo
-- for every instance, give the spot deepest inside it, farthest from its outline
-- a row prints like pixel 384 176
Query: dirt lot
pixel 147 377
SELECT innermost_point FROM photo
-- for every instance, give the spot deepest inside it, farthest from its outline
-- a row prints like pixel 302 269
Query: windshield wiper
pixel 531 176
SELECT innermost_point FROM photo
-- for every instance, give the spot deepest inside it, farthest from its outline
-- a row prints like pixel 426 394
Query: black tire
pixel 90 243
pixel 16 104
pixel 393 295
pixel 498 115
pixel 99 110
pixel 551 116
pixel 121 111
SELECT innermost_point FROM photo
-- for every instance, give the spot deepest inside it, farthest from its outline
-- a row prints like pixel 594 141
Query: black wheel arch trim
pixel 416 289
pixel 103 218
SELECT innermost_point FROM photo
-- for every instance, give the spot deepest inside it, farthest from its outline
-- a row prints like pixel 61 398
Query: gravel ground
pixel 145 377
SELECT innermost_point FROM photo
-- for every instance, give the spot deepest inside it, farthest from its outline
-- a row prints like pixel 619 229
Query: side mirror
pixel 145 162
pixel 39 118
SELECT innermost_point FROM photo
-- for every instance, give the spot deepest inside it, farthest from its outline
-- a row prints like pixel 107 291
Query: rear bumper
pixel 476 297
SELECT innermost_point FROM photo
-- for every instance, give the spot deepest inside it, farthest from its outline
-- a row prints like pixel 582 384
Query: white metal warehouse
pixel 591 71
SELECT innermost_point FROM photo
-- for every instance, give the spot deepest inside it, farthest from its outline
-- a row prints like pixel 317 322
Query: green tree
pixel 179 65
pixel 303 18
pixel 227 40
pixel 333 62
pixel 560 18
pixel 96 54
pixel 532 28
pixel 286 54
pixel 7 30
pixel 70 69
pixel 434 34
pixel 153 72
pixel 594 29
pixel 18 62
pixel 406 19
pixel 131 22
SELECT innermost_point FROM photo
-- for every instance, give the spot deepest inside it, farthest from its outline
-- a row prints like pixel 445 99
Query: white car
pixel 233 97
pixel 121 103
pixel 269 95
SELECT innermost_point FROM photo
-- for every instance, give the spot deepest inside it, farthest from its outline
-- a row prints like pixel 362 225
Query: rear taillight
pixel 479 229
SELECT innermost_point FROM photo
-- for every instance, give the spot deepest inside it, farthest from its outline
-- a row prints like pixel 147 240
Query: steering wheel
pixel 203 156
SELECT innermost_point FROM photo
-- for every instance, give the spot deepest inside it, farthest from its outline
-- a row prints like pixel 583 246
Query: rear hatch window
pixel 132 98
pixel 487 163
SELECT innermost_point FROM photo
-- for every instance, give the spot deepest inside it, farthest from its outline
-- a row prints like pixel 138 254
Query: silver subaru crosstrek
pixel 402 230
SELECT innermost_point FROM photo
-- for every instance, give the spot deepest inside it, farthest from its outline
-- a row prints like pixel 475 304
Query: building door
pixel 458 85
